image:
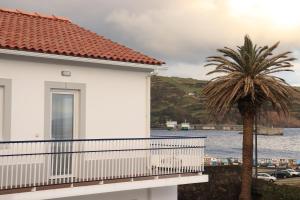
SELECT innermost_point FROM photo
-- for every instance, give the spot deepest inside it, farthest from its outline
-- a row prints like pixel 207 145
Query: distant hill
pixel 181 99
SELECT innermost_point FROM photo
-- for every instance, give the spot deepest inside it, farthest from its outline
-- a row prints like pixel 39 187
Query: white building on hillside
pixel 68 102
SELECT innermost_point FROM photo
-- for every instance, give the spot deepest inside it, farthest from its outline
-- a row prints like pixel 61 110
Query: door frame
pixel 63 86
pixel 81 87
pixel 7 104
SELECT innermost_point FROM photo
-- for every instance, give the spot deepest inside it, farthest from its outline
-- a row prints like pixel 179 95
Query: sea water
pixel 225 144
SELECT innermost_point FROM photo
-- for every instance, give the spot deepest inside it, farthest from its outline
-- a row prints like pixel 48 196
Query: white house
pixel 75 118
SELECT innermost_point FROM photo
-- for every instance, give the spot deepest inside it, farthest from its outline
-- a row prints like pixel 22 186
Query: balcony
pixel 41 165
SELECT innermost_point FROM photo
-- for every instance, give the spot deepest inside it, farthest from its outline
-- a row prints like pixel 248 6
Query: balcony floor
pixel 98 187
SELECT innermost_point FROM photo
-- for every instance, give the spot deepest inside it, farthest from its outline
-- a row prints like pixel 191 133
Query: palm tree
pixel 245 77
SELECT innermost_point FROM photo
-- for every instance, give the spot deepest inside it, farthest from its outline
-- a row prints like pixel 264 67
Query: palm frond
pixel 247 74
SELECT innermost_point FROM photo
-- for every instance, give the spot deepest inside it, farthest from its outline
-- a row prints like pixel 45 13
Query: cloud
pixel 185 32
pixel 182 28
pixel 187 70
pixel 181 32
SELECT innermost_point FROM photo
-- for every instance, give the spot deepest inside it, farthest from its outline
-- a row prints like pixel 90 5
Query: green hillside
pixel 180 99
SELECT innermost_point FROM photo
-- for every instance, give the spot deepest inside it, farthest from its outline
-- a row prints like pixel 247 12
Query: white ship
pixel 185 126
pixel 171 125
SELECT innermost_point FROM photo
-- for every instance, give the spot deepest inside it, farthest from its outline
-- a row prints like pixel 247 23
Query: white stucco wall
pixel 117 105
pixel 125 195
pixel 117 101
pixel 162 193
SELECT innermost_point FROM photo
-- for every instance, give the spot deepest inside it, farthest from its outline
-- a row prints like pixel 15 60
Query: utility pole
pixel 255 136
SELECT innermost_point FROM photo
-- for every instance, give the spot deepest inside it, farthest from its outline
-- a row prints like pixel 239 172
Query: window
pixel 5 109
pixel 1 112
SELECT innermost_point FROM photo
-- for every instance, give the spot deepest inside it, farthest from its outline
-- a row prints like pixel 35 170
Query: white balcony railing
pixel 26 164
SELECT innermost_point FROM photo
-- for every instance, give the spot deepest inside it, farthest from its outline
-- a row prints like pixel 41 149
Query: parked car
pixel 262 164
pixel 292 172
pixel 266 177
pixel 281 174
pixel 271 166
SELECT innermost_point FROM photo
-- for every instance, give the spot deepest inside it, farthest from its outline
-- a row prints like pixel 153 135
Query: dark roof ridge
pixel 35 14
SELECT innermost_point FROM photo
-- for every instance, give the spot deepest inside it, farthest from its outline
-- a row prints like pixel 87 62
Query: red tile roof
pixel 25 31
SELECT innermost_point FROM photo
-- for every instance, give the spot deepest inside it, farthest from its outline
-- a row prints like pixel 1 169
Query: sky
pixel 182 32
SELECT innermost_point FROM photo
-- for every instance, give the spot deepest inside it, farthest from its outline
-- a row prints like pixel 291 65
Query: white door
pixel 64 128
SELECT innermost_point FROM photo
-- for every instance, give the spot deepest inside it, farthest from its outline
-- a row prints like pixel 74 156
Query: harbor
pixel 261 130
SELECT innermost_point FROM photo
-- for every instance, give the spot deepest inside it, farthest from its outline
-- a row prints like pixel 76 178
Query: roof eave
pixel 132 66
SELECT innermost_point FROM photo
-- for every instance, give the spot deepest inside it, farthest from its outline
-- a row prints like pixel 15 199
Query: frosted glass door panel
pixel 62 116
pixel 62 129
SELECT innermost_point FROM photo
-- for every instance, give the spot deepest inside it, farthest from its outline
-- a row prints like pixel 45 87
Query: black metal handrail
pixel 102 139
pixel 99 151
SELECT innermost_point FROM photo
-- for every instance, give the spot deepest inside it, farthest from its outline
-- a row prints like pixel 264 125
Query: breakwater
pixel 262 130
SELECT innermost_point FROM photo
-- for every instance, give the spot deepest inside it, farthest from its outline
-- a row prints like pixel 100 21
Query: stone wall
pixel 224 183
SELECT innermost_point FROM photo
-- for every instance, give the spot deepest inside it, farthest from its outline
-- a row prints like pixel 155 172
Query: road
pixel 289 181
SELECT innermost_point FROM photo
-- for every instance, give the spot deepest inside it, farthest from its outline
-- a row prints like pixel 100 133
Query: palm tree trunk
pixel 248 119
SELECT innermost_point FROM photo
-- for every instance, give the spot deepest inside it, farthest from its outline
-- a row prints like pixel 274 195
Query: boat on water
pixel 171 125
pixel 185 126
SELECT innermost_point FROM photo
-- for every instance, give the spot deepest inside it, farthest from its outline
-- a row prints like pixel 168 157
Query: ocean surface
pixel 224 144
